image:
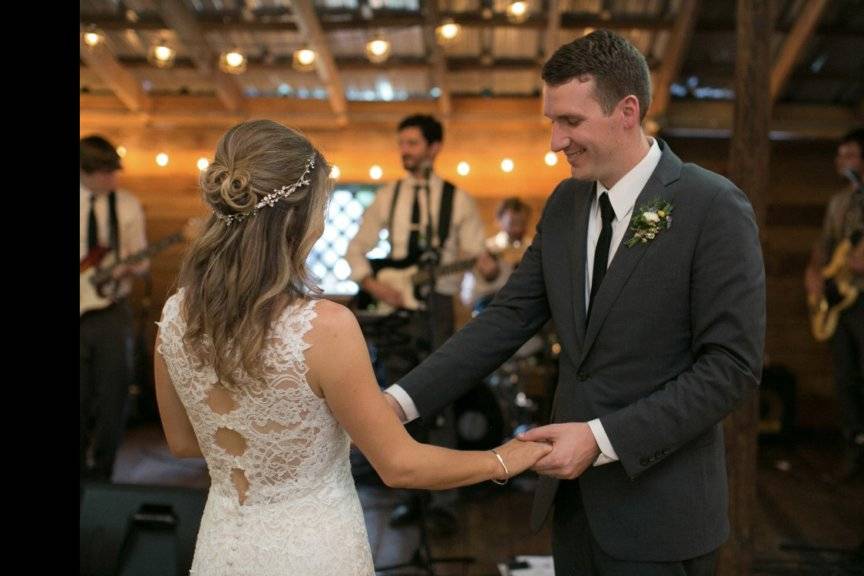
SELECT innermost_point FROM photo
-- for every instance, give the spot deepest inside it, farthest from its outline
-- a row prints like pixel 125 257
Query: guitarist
pixel 844 219
pixel 114 219
pixel 511 216
pixel 414 210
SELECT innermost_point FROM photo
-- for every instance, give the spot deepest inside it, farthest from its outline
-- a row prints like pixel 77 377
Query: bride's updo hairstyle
pixel 267 187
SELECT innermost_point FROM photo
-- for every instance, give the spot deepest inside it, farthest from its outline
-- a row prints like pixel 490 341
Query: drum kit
pixel 514 398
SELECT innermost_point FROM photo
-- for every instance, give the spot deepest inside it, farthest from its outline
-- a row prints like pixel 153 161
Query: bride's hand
pixel 518 456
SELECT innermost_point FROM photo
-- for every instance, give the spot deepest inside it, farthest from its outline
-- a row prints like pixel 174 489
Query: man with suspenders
pixel 420 206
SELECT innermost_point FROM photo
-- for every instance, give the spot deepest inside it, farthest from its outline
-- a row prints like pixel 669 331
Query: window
pixel 327 259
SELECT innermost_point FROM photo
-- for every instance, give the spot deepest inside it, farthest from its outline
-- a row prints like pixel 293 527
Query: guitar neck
pixel 455 267
pixel 423 276
pixel 143 254
pixel 153 249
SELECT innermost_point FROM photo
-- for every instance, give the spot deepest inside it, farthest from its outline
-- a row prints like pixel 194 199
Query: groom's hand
pixel 574 449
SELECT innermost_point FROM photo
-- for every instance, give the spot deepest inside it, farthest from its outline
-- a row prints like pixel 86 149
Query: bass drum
pixel 478 420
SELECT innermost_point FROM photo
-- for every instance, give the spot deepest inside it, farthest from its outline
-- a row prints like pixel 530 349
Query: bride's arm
pixel 339 367
pixel 175 422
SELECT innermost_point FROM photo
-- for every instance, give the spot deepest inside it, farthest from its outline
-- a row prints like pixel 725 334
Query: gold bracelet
pixel 503 465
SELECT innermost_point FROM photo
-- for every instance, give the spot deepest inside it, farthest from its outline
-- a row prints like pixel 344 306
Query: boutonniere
pixel 649 220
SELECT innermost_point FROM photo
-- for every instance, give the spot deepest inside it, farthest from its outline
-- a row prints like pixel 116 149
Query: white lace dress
pixel 284 502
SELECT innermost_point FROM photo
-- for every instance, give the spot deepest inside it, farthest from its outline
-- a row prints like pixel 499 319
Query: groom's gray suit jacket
pixel 673 345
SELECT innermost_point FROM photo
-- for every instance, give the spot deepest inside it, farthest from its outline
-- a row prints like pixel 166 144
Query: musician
pixel 508 245
pixel 414 211
pixel 108 218
pixel 843 217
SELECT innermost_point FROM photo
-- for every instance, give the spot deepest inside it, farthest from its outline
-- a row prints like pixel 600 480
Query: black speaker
pixel 133 530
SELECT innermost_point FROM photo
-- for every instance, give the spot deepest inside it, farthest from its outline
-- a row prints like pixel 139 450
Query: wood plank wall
pixel 801 181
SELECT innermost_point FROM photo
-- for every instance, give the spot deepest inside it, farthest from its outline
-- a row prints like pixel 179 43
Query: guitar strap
pixel 445 211
pixel 114 224
pixel 392 211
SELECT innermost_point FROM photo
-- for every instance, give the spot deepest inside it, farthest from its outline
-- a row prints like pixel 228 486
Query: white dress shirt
pixel 130 222
pixel 464 240
pixel 622 196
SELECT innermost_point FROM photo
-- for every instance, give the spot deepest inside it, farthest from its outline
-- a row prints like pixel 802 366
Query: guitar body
pixel 396 273
pixel 401 279
pixel 838 294
pixel 97 286
pixel 412 281
pixel 95 294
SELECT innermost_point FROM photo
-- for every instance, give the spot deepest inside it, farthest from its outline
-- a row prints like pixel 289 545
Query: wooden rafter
pixel 183 21
pixel 309 24
pixel 673 58
pixel 438 58
pixel 553 27
pixel 121 82
pixel 685 117
pixel 332 20
pixel 794 45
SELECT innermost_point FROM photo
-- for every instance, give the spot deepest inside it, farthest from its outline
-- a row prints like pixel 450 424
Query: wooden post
pixel 748 167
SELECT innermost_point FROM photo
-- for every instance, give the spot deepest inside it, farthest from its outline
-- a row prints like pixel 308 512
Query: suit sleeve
pixel 518 311
pixel 727 299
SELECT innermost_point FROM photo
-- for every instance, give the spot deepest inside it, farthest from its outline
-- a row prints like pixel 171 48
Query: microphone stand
pixel 422 559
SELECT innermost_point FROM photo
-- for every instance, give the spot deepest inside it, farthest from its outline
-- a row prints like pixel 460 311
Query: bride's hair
pixel 250 261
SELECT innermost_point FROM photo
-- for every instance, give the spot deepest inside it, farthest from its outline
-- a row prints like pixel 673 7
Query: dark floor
pixel 805 524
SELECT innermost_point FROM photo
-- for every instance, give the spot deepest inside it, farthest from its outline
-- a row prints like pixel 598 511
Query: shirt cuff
pixel 607 453
pixel 405 401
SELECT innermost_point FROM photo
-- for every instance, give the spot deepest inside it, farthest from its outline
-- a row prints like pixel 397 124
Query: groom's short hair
pixel 619 69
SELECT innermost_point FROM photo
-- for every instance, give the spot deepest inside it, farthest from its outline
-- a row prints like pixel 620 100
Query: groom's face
pixel 587 136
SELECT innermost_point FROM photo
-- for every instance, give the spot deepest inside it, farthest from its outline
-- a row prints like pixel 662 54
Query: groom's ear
pixel 628 107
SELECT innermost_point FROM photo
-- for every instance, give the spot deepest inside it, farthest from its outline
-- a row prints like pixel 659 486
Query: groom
pixel 652 272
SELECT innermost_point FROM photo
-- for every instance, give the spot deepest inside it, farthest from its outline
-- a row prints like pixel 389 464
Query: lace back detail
pixel 263 438
pixel 282 499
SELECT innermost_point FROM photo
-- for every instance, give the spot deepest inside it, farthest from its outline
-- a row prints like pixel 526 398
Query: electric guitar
pixel 414 282
pixel 838 293
pixel 97 285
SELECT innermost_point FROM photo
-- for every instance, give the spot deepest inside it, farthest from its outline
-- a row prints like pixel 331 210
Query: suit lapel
pixel 577 240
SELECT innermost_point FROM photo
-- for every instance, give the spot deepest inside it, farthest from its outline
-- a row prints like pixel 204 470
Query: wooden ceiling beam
pixel 673 58
pixel 331 21
pixel 121 82
pixel 794 45
pixel 685 117
pixel 438 58
pixel 193 38
pixel 307 20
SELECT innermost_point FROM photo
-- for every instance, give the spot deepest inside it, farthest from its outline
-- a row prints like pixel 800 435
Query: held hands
pixel 574 449
pixel 518 456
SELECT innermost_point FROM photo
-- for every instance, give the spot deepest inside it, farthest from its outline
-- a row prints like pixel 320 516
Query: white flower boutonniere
pixel 649 221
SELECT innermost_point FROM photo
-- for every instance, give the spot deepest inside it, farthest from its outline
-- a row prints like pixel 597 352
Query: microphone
pixel 426 171
pixel 854 178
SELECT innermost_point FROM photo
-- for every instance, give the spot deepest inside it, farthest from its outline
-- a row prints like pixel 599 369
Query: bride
pixel 271 385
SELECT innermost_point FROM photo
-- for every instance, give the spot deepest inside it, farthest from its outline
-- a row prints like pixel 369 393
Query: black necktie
pixel 414 237
pixel 601 254
pixel 92 229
